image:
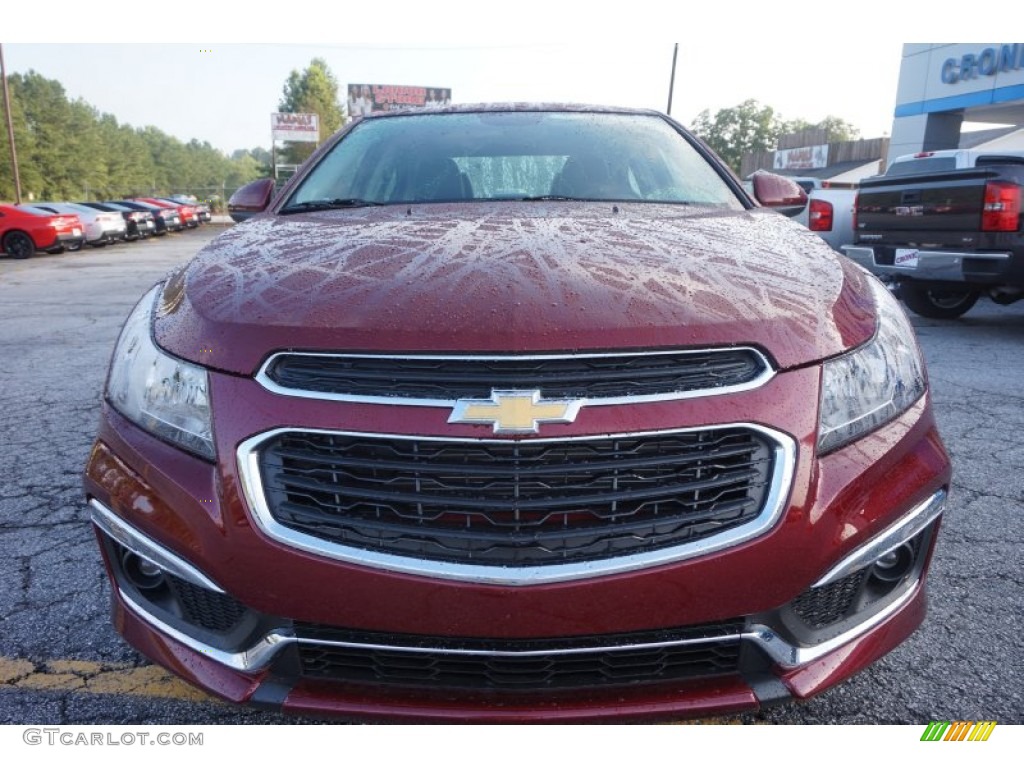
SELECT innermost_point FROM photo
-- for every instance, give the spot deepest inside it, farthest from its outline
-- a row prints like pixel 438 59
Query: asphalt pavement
pixel 61 661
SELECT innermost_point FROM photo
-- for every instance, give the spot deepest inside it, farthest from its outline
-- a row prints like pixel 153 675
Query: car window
pixel 922 165
pixel 514 155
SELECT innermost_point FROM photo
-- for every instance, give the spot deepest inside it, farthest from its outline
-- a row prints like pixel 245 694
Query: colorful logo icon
pixel 959 730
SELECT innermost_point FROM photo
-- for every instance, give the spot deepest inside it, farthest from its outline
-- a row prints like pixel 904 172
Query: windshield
pixel 512 156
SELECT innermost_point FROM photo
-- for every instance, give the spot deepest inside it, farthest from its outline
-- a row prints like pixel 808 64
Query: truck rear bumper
pixel 939 266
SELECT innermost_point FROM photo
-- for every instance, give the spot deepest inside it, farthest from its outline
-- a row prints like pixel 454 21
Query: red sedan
pixel 522 413
pixel 23 232
pixel 189 217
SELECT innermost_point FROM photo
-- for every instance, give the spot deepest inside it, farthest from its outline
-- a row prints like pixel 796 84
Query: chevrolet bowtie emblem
pixel 512 411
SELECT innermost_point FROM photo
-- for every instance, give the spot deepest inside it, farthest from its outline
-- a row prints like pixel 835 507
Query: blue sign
pixel 989 62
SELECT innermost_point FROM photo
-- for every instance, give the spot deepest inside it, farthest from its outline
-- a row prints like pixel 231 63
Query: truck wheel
pixel 938 303
pixel 18 245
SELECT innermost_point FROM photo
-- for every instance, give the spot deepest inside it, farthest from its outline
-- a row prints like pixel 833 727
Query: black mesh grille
pixel 628 375
pixel 205 608
pixel 822 606
pixel 516 502
pixel 445 666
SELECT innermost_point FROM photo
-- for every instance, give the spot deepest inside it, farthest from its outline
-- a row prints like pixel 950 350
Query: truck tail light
pixel 856 204
pixel 1002 207
pixel 820 216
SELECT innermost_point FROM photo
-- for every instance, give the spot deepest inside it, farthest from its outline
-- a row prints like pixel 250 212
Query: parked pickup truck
pixel 945 237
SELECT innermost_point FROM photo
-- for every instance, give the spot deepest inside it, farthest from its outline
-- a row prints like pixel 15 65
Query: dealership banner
pixel 295 126
pixel 364 98
pixel 802 158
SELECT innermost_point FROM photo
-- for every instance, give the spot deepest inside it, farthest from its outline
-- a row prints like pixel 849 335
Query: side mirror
pixel 251 199
pixel 774 191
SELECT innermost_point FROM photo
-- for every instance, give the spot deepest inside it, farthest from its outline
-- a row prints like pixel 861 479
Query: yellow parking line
pixel 96 677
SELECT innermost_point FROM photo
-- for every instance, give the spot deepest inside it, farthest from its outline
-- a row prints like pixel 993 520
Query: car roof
pixel 35 209
pixel 62 204
pixel 518 106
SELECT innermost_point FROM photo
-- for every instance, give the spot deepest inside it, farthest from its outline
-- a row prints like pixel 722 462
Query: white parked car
pixel 100 227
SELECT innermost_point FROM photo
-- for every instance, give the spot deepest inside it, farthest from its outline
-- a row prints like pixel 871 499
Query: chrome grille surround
pixel 783 449
pixel 264 376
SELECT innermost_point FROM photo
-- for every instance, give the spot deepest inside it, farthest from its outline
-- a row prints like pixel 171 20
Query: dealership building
pixel 943 86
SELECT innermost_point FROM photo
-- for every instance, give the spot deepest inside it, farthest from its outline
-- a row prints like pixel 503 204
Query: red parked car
pixel 517 414
pixel 23 232
pixel 189 216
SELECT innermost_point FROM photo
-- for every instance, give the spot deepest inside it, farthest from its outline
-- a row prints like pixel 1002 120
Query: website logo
pixel 959 730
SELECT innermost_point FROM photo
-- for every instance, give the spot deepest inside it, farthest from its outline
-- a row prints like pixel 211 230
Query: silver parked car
pixel 100 227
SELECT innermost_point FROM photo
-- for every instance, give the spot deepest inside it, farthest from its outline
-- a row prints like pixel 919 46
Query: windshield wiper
pixel 535 198
pixel 324 205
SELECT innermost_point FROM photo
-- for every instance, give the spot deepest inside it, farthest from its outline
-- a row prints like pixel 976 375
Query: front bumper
pixel 267 671
pixel 189 517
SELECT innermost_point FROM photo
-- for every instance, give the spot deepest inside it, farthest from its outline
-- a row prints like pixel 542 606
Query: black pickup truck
pixel 945 238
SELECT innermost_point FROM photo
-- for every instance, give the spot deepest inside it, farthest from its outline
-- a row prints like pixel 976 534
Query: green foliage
pixel 314 90
pixel 836 129
pixel 752 127
pixel 734 131
pixel 69 151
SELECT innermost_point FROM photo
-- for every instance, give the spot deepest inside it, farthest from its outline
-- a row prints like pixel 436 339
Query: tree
pixel 314 90
pixel 67 150
pixel 836 129
pixel 751 127
pixel 734 131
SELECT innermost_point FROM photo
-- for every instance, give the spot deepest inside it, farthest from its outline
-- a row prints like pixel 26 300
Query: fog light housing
pixel 895 564
pixel 142 573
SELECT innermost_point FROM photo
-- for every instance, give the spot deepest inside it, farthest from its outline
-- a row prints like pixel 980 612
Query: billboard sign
pixel 364 98
pixel 295 126
pixel 802 158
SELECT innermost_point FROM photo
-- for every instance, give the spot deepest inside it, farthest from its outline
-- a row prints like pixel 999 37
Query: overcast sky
pixel 801 59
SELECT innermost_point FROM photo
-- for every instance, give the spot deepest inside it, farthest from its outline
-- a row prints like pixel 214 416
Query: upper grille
pixel 516 503
pixel 578 376
pixel 624 659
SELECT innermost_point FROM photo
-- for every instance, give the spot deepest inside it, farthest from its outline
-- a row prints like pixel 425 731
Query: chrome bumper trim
pixel 261 653
pixel 142 545
pixel 251 659
pixel 522 654
pixel 904 529
pixel 787 655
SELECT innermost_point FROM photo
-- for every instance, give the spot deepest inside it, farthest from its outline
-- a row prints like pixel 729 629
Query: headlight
pixel 160 393
pixel 874 384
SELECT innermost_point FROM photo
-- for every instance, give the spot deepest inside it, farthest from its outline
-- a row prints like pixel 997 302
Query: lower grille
pixel 528 665
pixel 212 610
pixel 822 606
pixel 516 502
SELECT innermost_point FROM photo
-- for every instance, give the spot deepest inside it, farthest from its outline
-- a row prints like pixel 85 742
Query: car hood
pixel 515 277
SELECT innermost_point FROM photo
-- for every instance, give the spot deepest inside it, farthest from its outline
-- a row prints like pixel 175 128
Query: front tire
pixel 938 303
pixel 18 245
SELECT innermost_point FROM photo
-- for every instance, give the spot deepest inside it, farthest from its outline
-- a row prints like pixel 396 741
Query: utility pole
pixel 672 80
pixel 10 129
